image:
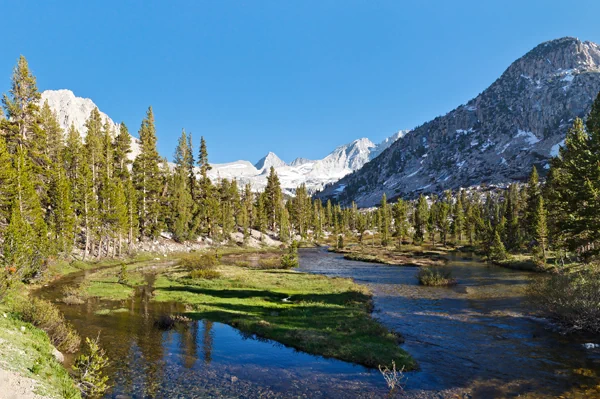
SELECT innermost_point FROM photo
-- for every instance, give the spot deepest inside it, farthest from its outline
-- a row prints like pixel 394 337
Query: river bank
pixel 28 366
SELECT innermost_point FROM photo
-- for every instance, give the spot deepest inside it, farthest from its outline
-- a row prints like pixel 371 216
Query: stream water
pixel 478 335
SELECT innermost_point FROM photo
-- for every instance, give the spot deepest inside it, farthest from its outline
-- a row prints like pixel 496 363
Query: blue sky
pixel 294 77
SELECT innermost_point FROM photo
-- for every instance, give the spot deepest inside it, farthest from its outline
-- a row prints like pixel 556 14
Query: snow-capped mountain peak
pixel 269 160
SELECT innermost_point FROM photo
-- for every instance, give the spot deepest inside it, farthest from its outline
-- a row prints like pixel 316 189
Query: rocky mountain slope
pixel 519 121
pixel 76 110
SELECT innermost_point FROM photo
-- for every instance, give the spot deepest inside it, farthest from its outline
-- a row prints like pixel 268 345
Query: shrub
pixel 195 261
pixel 207 274
pixel 123 274
pixel 340 242
pixel 570 298
pixel 88 370
pixel 290 260
pixel 435 276
pixel 46 316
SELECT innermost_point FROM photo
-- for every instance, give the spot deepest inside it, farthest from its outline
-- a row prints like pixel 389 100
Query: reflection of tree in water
pixel 207 341
pixel 189 333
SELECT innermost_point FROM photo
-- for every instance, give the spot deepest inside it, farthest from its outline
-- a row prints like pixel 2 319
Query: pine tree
pixel 541 232
pixel 572 190
pixel 26 240
pixel 533 195
pixel 497 252
pixel 94 147
pixel 121 216
pixel 400 212
pixel 247 210
pixel 181 194
pixel 147 179
pixel 420 219
pixel 61 215
pixel 206 212
pixel 443 216
pixel 7 180
pixel 385 221
pixel 22 109
pixel 431 220
pixel 458 220
pixel 284 226
pixel 122 149
pixel 273 199
pixel 132 213
pixel 53 133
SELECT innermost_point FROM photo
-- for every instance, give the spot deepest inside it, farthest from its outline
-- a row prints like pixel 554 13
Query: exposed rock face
pixel 74 110
pixel 519 121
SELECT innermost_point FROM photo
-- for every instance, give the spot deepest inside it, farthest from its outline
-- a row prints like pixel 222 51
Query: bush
pixel 435 276
pixel 569 298
pixel 123 274
pixel 47 317
pixel 290 260
pixel 194 261
pixel 340 242
pixel 207 274
pixel 88 370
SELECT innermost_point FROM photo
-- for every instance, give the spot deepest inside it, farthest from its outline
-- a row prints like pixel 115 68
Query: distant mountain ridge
pixel 345 159
pixel 495 138
pixel 315 174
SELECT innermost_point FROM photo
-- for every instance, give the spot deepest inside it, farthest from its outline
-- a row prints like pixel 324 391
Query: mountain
pixel 314 173
pixel 74 110
pixel 300 161
pixel 269 160
pixel 495 138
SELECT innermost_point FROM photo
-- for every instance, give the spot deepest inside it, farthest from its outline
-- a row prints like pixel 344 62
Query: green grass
pixel 29 354
pixel 324 316
pixel 435 277
pixel 62 267
pixel 321 315
pixel 105 283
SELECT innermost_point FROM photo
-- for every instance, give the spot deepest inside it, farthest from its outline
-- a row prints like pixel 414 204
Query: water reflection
pixel 203 358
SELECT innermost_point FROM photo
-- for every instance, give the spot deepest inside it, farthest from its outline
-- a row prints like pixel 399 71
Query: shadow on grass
pixel 336 325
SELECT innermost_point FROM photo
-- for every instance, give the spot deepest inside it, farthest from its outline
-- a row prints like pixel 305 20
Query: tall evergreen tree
pixel 147 179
